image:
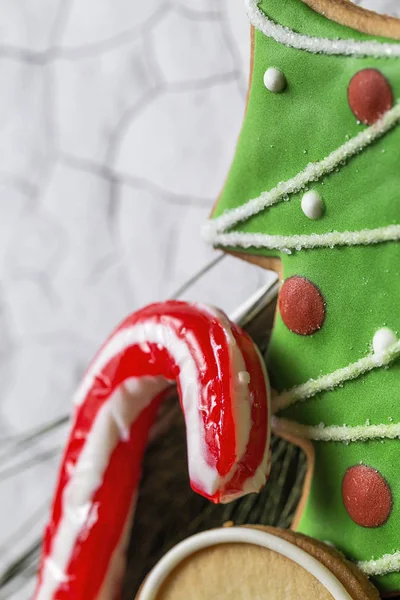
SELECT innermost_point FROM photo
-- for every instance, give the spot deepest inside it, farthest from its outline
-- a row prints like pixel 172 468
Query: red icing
pixel 301 305
pixel 259 414
pixel 205 338
pixel 367 496
pixel 110 507
pixel 369 95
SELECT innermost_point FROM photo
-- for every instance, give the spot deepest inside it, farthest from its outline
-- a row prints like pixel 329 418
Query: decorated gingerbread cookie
pixel 315 185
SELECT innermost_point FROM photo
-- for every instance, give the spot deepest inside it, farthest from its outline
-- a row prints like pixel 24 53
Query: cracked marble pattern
pixel 118 123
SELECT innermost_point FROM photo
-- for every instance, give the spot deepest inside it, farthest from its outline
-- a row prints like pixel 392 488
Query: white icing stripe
pixel 388 563
pixel 239 535
pixel 285 243
pixel 257 480
pixel 117 566
pixel 337 433
pixel 241 408
pixel 312 172
pixel 88 474
pixel 119 342
pixel 155 333
pixel 288 37
pixel 332 380
pixel 265 465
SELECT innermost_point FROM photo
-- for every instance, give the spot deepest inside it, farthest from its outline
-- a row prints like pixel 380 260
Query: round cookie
pixel 243 562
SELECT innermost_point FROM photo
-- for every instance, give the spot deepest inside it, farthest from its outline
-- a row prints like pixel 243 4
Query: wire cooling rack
pixel 165 481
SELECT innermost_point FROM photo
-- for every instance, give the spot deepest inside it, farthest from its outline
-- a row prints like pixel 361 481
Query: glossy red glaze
pixel 369 95
pixel 206 340
pixel 367 496
pixel 259 413
pixel 301 305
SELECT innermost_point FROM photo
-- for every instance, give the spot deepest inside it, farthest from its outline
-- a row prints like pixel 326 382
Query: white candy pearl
pixel 383 339
pixel 312 205
pixel 274 80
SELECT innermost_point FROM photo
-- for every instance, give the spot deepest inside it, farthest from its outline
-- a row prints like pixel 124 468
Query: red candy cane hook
pixel 224 395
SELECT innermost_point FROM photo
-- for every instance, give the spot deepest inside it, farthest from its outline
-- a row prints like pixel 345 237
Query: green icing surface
pixel 281 134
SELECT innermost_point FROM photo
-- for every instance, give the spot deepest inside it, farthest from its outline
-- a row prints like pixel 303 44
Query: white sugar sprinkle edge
pixel 388 563
pixel 316 45
pixel 329 382
pixel 337 433
pixel 285 243
pixel 312 172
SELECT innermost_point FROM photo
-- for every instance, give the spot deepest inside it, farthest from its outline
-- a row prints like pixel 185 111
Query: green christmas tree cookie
pixel 315 182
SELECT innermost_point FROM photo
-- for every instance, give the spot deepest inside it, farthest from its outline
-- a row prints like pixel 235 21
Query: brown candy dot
pixel 366 496
pixel 369 95
pixel 301 305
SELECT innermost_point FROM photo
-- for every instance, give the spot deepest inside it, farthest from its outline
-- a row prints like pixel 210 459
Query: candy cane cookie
pixel 224 395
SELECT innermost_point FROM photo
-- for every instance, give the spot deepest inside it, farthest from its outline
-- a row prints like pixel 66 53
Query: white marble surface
pixel 385 7
pixel 118 122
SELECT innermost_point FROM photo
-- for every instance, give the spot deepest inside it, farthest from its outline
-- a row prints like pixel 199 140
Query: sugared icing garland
pixel 316 180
